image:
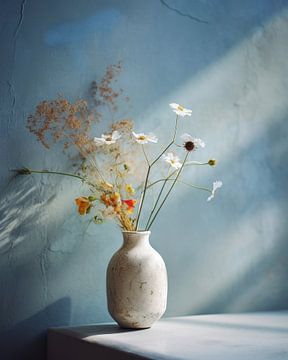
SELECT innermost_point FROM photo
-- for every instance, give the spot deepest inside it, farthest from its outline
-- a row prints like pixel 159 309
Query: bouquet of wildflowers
pixel 115 166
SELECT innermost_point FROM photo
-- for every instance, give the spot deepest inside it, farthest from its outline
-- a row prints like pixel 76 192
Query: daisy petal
pixel 199 142
pixel 116 135
pixel 173 160
pixel 180 110
pixel 152 138
pixel 186 137
pixel 99 141
pixel 216 185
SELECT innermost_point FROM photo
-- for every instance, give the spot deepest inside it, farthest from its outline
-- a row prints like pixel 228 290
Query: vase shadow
pixel 99 329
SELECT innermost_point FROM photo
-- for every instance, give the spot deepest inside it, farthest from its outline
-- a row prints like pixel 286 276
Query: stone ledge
pixel 254 336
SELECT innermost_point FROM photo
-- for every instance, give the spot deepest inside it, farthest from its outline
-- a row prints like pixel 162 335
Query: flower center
pixel 181 108
pixel 142 137
pixel 108 138
pixel 189 145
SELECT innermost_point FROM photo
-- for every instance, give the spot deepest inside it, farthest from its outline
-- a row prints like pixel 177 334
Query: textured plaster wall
pixel 225 59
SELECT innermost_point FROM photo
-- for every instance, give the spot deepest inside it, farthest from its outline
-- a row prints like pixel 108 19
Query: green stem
pixel 145 188
pixel 160 180
pixel 169 191
pixel 171 142
pixel 143 197
pixel 146 158
pixel 158 198
pixel 185 183
pixel 148 173
pixel 187 164
pixel 196 163
pixel 196 186
pixel 26 171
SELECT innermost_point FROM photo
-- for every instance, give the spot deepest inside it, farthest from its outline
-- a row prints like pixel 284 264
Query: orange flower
pixel 130 204
pixel 113 200
pixel 83 204
pixel 105 200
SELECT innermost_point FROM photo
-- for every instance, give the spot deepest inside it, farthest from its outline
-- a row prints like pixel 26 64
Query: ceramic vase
pixel 136 282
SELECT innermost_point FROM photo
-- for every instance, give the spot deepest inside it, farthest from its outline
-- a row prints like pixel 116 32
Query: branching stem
pixel 148 173
pixel 168 193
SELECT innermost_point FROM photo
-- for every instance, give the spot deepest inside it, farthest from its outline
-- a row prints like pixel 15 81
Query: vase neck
pixel 135 238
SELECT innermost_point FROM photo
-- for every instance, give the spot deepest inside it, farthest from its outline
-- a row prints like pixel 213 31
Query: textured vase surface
pixel 136 282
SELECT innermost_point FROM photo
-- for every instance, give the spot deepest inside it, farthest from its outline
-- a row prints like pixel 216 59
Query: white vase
pixel 136 282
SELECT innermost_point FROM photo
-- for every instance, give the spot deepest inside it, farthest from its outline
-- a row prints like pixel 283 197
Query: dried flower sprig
pixel 62 121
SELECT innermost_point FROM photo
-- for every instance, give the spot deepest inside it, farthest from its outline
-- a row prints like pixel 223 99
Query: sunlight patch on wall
pixel 242 93
pixel 240 255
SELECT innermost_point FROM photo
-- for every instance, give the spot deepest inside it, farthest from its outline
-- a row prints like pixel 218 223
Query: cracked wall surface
pixel 227 60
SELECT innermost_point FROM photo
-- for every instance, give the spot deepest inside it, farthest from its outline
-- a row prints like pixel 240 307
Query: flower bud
pixel 92 198
pixel 24 171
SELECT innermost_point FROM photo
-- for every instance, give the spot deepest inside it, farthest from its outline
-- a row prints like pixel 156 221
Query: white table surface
pixel 255 336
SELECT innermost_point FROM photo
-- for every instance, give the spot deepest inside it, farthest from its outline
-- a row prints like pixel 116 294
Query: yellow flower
pixel 129 189
pixel 83 204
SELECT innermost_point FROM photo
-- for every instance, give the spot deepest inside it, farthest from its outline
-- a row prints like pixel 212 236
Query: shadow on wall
pixel 19 212
pixel 27 340
pixel 30 205
pixel 23 274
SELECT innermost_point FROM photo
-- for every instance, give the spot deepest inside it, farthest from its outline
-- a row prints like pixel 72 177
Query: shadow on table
pixel 100 329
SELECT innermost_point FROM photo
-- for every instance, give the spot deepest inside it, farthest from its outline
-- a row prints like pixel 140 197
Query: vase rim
pixel 136 232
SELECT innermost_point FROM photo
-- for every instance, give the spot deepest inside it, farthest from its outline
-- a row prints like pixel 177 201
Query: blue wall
pixel 227 59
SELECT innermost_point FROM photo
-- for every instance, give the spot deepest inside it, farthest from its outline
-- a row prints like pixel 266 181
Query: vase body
pixel 136 282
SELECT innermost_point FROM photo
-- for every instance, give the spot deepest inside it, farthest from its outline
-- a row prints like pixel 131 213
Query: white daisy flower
pixel 180 110
pixel 173 160
pixel 191 143
pixel 216 185
pixel 144 139
pixel 107 139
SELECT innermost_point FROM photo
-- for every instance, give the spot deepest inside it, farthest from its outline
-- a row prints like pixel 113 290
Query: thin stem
pixel 169 191
pixel 186 183
pixel 195 186
pixel 196 163
pixel 27 171
pixel 171 142
pixel 91 161
pixel 148 173
pixel 160 180
pixel 146 158
pixel 94 163
pixel 143 197
pixel 187 164
pixel 158 198
pixel 175 130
